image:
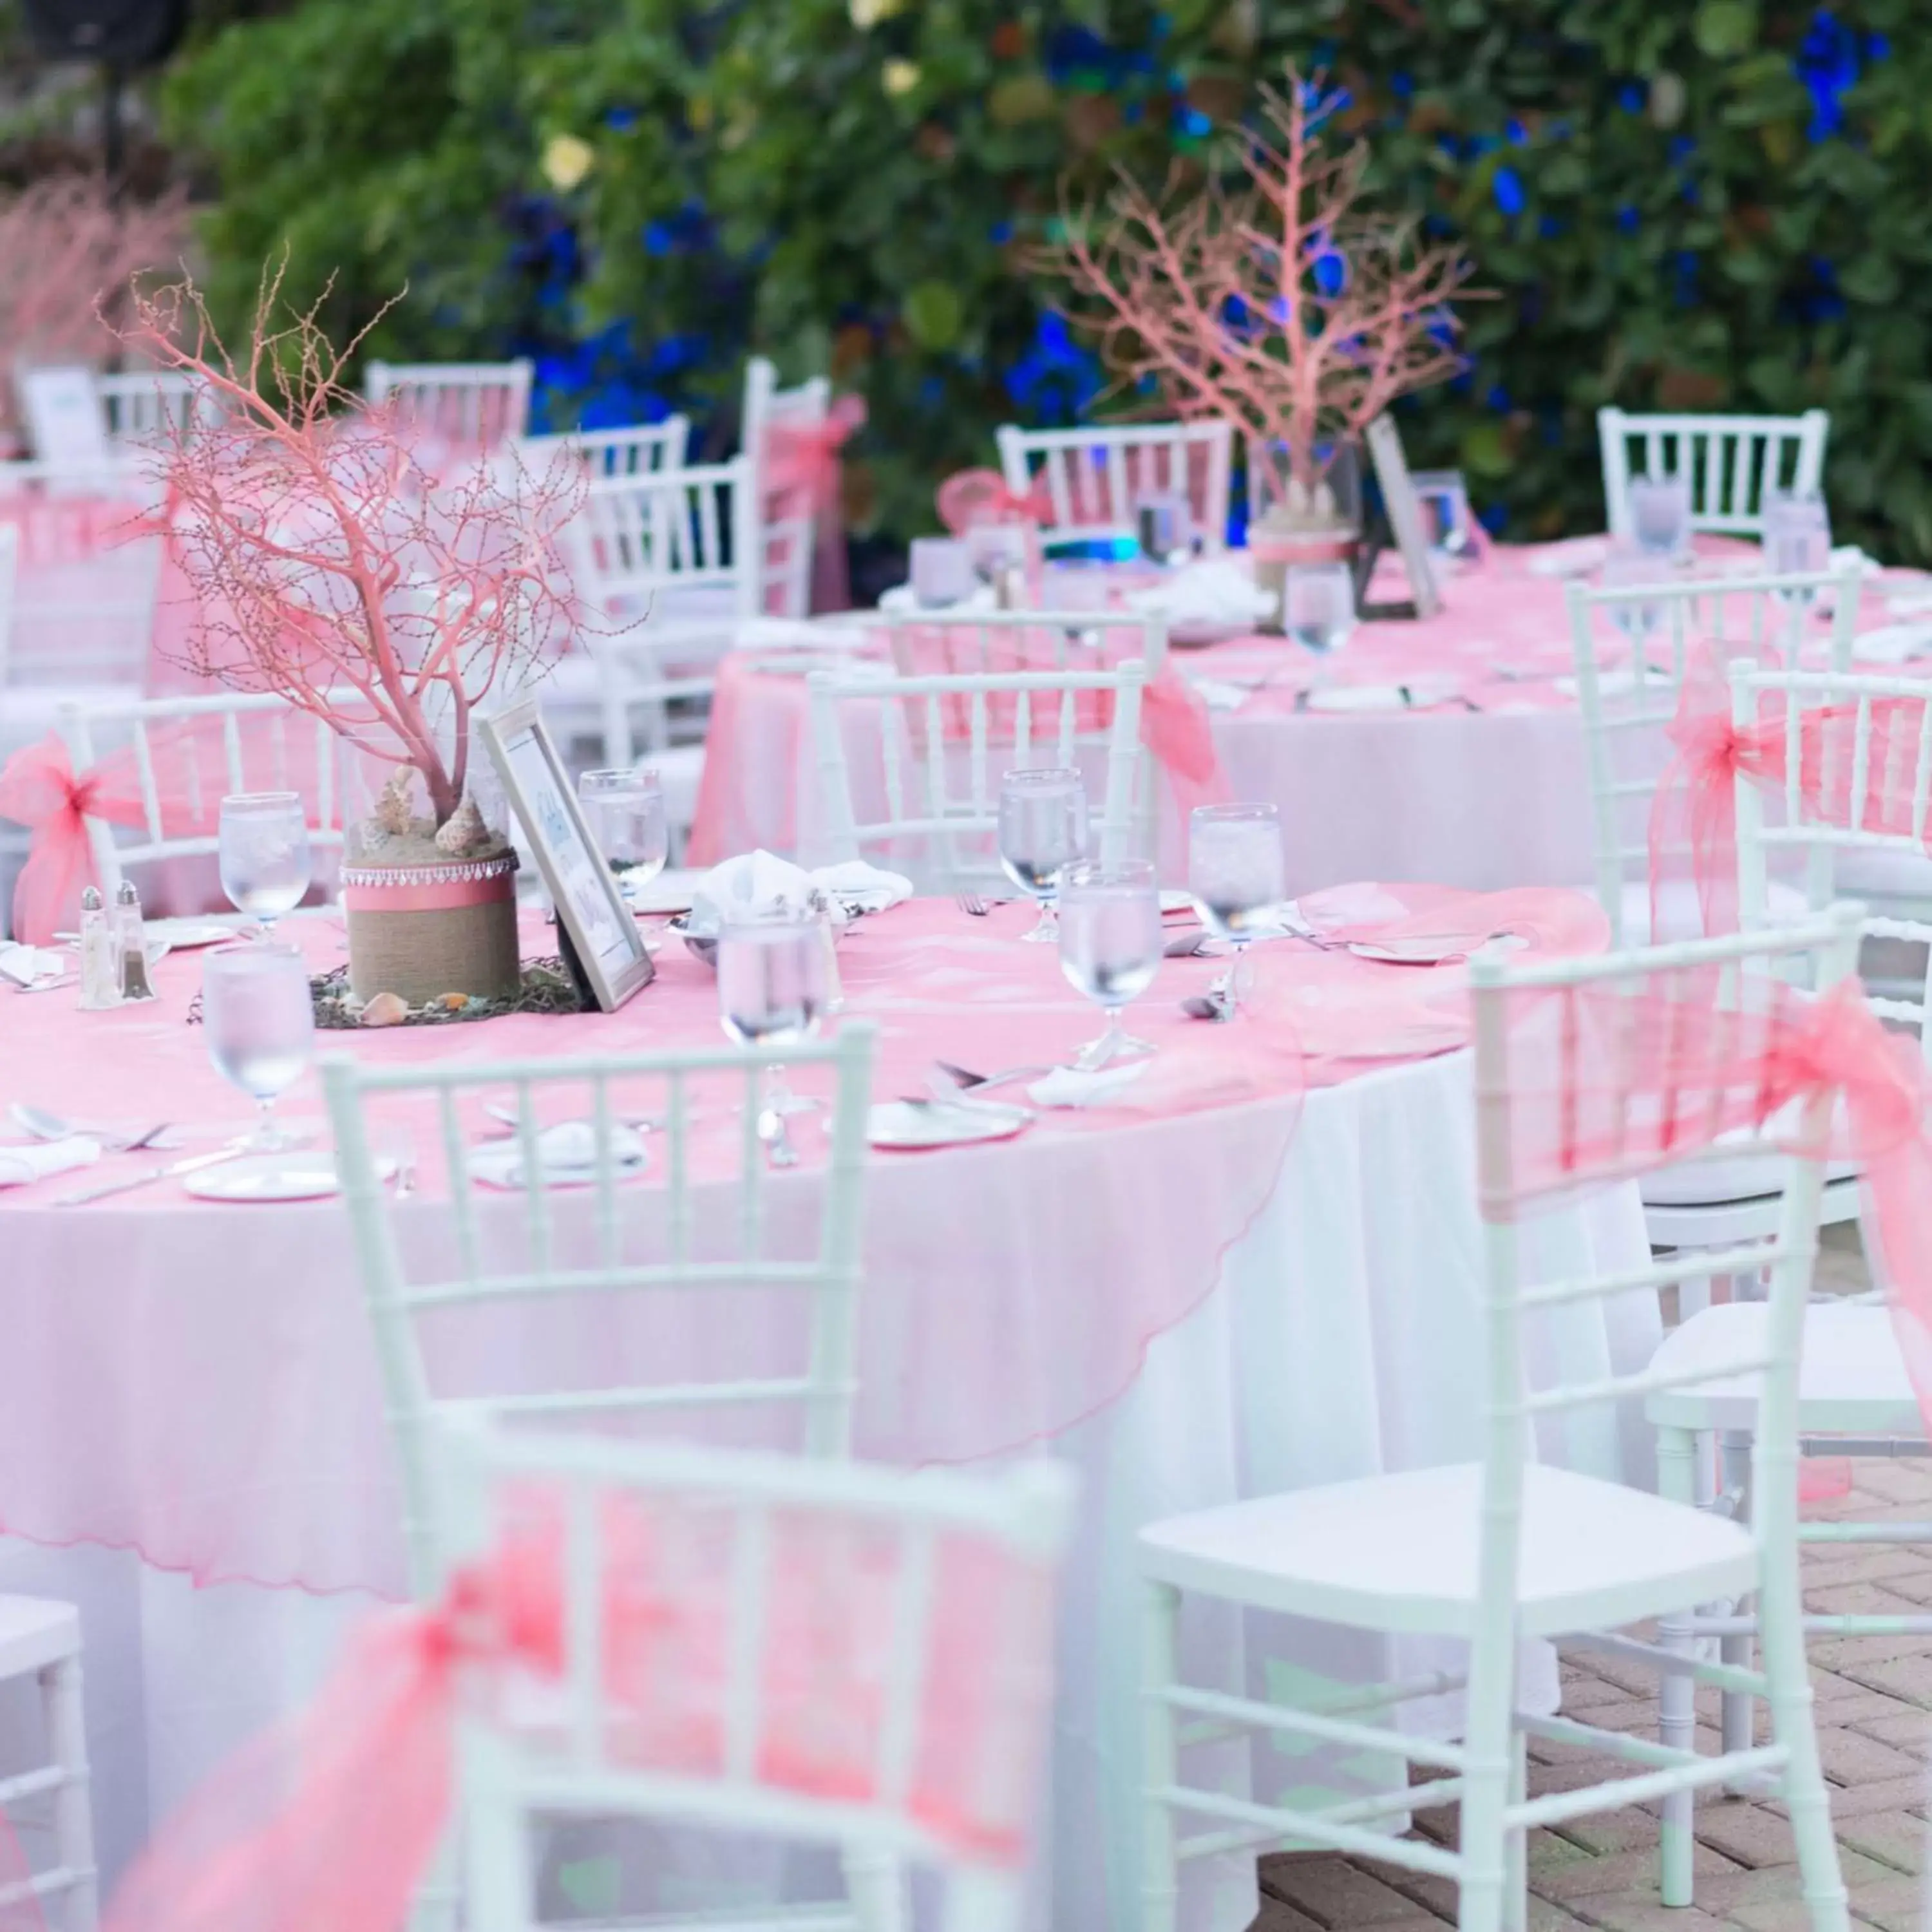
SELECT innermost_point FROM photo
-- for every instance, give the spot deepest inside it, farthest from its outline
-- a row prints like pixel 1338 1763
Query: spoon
pixel 43 1126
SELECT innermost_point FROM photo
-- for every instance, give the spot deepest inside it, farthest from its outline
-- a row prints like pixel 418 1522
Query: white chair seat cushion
pixel 1852 1378
pixel 35 1632
pixel 1707 1184
pixel 1683 914
pixel 1398 1552
pixel 1864 873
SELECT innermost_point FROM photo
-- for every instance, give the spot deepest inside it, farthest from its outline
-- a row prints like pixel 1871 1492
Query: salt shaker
pixel 130 943
pixel 99 964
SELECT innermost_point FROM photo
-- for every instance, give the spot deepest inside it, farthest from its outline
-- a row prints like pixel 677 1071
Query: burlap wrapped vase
pixel 421 930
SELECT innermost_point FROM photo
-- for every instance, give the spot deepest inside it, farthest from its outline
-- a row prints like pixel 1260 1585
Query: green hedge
pixel 1718 205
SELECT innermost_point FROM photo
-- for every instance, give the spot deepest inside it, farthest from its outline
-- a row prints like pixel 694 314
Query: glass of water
pixel 626 812
pixel 1043 828
pixel 1797 537
pixel 1659 513
pixel 1636 617
pixel 258 1016
pixel 1235 876
pixel 1110 946
pixel 1318 605
pixel 773 989
pixel 263 844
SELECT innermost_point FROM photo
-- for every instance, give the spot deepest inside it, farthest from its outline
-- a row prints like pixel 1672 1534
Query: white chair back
pixel 140 404
pixel 64 415
pixel 640 450
pixel 942 742
pixel 787 530
pixel 188 753
pixel 1626 708
pixel 1096 475
pixel 1862 789
pixel 753 1643
pixel 1733 461
pixel 475 404
pixel 703 1264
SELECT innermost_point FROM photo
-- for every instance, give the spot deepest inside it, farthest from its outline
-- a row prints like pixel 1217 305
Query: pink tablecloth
pixel 1480 782
pixel 207 1371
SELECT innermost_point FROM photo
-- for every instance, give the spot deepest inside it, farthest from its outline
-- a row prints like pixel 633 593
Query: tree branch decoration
pixel 324 559
pixel 70 252
pixel 1275 299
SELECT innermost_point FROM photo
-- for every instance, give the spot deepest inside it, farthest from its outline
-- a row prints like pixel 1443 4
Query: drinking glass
pixel 626 812
pixel 1636 617
pixel 1318 605
pixel 772 990
pixel 1110 946
pixel 1797 537
pixel 1234 874
pixel 1042 827
pixel 258 1016
pixel 1659 513
pixel 942 571
pixel 263 842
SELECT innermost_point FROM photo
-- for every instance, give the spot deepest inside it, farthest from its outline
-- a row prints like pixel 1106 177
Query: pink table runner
pixel 206 1369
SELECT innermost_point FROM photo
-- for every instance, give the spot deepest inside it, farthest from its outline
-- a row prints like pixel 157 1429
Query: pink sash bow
pixel 802 467
pixel 38 789
pixel 971 497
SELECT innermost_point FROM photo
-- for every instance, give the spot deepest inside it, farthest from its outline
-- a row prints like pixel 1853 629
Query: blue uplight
pixel 1508 190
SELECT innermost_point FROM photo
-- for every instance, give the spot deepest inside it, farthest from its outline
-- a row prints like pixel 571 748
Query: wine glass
pixel 263 842
pixel 1797 537
pixel 1042 827
pixel 1110 946
pixel 773 989
pixel 626 812
pixel 258 1015
pixel 1636 617
pixel 1659 513
pixel 1318 605
pixel 1234 874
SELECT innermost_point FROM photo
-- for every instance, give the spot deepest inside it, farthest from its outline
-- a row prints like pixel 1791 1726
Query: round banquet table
pixel 1257 1266
pixel 1466 765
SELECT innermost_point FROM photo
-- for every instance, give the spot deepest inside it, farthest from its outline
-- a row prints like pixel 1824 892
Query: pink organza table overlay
pixel 1012 1287
pixel 1479 782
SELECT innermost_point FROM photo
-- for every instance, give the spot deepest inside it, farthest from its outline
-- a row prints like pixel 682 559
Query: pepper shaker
pixel 99 964
pixel 130 943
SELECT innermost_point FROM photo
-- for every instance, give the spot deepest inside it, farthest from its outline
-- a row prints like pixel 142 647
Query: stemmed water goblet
pixel 1636 617
pixel 1110 946
pixel 1797 538
pixel 1659 513
pixel 1234 876
pixel 258 1015
pixel 1042 828
pixel 773 988
pixel 1319 606
pixel 264 854
pixel 626 812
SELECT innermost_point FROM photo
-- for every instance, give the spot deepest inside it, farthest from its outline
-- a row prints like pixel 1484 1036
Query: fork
pixel 971 904
pixel 968 1081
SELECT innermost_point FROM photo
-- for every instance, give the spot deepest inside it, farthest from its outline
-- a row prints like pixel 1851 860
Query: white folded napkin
pixel 1218 696
pixel 1213 590
pixel 24 1161
pixel 1892 643
pixel 1069 1086
pixel 760 885
pixel 567 1152
pixel 24 965
pixel 796 634
pixel 899 601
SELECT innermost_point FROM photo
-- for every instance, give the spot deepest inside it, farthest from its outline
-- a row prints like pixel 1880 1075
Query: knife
pixel 154 1173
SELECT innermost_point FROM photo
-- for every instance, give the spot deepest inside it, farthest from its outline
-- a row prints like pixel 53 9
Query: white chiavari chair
pixel 1855 1396
pixel 1711 1204
pixel 140 404
pixel 638 450
pixel 1504 1548
pixel 41 1643
pixel 683 1257
pixel 787 530
pixel 926 798
pixel 1733 461
pixel 474 404
pixel 1096 475
pixel 187 754
pixel 872 1650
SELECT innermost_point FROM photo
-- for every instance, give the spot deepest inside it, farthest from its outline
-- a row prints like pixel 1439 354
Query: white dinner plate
pixel 670 892
pixel 290 1174
pixel 1429 949
pixel 1359 697
pixel 899 1124
pixel 1403 1043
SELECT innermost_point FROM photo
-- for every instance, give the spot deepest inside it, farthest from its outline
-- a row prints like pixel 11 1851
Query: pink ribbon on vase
pixel 971 497
pixel 38 789
pixel 801 466
pixel 1693 817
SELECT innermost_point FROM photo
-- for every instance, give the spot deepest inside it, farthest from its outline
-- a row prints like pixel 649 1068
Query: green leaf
pixel 1723 28
pixel 933 314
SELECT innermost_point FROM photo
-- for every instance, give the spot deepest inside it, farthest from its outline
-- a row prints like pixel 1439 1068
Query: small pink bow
pixel 38 789
pixel 971 497
pixel 802 458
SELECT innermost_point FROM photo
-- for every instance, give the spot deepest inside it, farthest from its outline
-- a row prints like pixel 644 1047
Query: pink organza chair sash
pixel 970 498
pixel 329 1824
pixel 1694 822
pixel 804 477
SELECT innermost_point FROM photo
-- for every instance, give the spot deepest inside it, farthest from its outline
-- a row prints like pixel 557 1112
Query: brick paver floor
pixel 1874 1714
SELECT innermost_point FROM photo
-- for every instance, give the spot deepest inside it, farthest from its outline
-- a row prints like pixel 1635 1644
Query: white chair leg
pixel 1493 1746
pixel 1693 1297
pixel 1515 1881
pixel 876 1883
pixel 499 1890
pixel 981 1902
pixel 73 1815
pixel 1734 1473
pixel 1676 1696
pixel 1159 1761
